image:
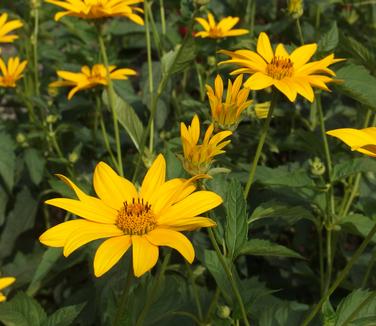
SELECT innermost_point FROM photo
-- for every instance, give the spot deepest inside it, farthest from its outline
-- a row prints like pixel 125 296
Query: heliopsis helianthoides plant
pixel 8 26
pixel 291 74
pixel 146 219
pixel 198 157
pixel 224 28
pixel 97 9
pixel 11 72
pixel 361 140
pixel 227 114
pixel 4 283
pixel 89 78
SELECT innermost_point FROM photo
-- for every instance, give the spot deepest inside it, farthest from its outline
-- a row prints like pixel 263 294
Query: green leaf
pixel 358 224
pixel 49 258
pixel 180 58
pixel 358 304
pixel 329 40
pixel 7 160
pixel 329 315
pixel 128 119
pixel 64 316
pixel 236 218
pixel 19 220
pixel 275 209
pixel 345 169
pixel 3 204
pixel 358 84
pixel 35 163
pixel 260 247
pixel 22 311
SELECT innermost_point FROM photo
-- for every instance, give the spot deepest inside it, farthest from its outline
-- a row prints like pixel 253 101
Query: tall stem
pixel 229 276
pixel 260 144
pixel 194 291
pixel 111 101
pixel 34 42
pixel 341 276
pixel 124 297
pixel 299 28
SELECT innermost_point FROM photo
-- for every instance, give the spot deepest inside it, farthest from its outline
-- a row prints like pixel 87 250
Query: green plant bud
pixel 21 139
pixel 212 61
pixel 295 8
pixel 51 118
pixel 223 312
pixel 317 167
pixel 73 157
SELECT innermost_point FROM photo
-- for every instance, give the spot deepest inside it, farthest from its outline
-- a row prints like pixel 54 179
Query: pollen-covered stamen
pixel 280 68
pixel 136 217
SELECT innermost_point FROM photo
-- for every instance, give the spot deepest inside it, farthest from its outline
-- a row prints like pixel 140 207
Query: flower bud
pixel 295 8
pixel 51 118
pixel 317 167
pixel 223 312
pixel 73 157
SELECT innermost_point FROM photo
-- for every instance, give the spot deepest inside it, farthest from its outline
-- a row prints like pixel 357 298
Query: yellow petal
pixel 193 205
pixel 280 51
pixel 113 189
pixel 109 253
pixel 286 88
pixel 154 178
pixel 203 23
pixel 258 81
pixel 302 54
pixel 6 281
pixel 2 297
pixel 190 224
pixel 173 239
pixel 145 255
pixel 264 48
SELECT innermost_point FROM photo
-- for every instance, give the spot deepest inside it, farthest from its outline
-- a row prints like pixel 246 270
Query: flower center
pixel 280 68
pixel 136 217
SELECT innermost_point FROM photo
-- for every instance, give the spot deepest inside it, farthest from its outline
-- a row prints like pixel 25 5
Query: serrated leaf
pixel 358 83
pixel 329 40
pixel 329 315
pixel 64 316
pixel 260 247
pixel 22 311
pixel 236 218
pixel 353 166
pixel 7 160
pixel 358 224
pixel 358 51
pixel 35 163
pixel 128 119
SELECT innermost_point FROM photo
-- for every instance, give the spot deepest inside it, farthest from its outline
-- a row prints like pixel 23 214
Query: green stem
pixel 321 260
pixel 124 297
pixel 194 291
pixel 260 144
pixel 34 42
pixel 370 266
pixel 329 258
pixel 163 17
pixel 151 297
pixel 342 275
pixel 213 304
pixel 229 276
pixel 299 28
pixel 111 101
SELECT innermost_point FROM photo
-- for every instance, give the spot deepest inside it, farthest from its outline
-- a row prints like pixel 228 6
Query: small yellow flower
pixel 361 140
pixel 144 219
pixel 5 282
pixel 96 9
pixel 291 74
pixel 11 72
pixel 220 30
pixel 295 8
pixel 7 27
pixel 197 158
pixel 90 78
pixel 226 114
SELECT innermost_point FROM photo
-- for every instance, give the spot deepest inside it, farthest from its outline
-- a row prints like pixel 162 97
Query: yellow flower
pixel 145 219
pixel 227 114
pixel 220 30
pixel 11 72
pixel 6 27
pixel 90 78
pixel 197 158
pixel 361 140
pixel 5 282
pixel 291 74
pixel 96 9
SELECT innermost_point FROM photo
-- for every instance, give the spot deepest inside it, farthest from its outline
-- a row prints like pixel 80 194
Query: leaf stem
pixel 260 144
pixel 229 276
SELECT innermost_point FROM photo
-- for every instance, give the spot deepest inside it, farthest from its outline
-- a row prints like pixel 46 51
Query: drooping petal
pixel 145 255
pixel 109 253
pixel 286 88
pixel 173 239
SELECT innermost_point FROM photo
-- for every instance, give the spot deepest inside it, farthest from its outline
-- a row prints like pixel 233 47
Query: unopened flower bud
pixel 73 157
pixel 51 118
pixel 317 167
pixel 22 140
pixel 295 8
pixel 223 312
pixel 212 61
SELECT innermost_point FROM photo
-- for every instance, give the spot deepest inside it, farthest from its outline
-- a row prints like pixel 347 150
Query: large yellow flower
pixel 198 157
pixel 227 114
pixel 7 27
pixel 96 9
pixel 11 72
pixel 5 282
pixel 145 219
pixel 90 78
pixel 291 74
pixel 220 30
pixel 361 140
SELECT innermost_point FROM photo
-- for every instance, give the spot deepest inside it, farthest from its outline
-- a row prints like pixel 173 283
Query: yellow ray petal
pixel 190 224
pixel 264 47
pixel 258 81
pixel 154 178
pixel 286 88
pixel 6 281
pixel 302 54
pixel 109 253
pixel 145 255
pixel 173 239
